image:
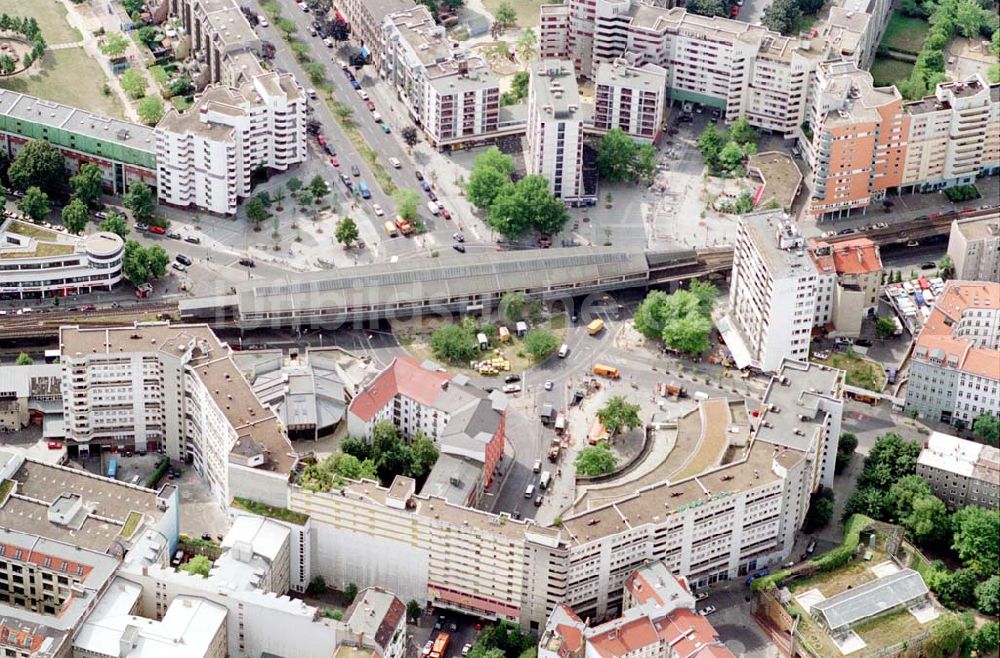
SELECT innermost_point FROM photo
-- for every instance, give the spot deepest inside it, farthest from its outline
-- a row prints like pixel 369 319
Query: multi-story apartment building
pixel 366 19
pixel 658 621
pixel 38 262
pixel 953 136
pixel 849 278
pixel 172 387
pixel 632 98
pixel 555 128
pixel 773 296
pixel 961 472
pixel 206 155
pixel 974 248
pixel 856 144
pixel 955 369
pixel 466 422
pixel 221 38
pixel 125 152
pixel 450 92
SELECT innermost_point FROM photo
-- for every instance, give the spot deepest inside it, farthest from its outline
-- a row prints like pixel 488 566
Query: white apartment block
pixel 955 369
pixel 36 261
pixel 631 98
pixel 740 68
pixel 974 248
pixel 961 472
pixel 555 128
pixel 172 387
pixel 449 91
pixel 205 156
pixel 220 38
pixel 773 295
pixel 953 136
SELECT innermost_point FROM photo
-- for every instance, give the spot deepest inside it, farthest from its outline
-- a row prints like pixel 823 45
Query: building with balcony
pixel 367 19
pixel 125 152
pixel 953 136
pixel 555 128
pixel 157 386
pixel 961 472
pixel 220 38
pixel 632 98
pixel 857 142
pixel 207 154
pixel 464 421
pixel 38 262
pixel 974 248
pixel 447 90
pixel 955 368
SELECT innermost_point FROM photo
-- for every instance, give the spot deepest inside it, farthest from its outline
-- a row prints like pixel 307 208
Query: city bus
pixel 113 469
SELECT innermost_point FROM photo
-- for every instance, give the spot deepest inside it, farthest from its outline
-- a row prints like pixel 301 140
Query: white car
pixel 263 22
pixel 396 164
pixel 466 649
pixel 378 209
pixel 427 648
pixel 363 94
pixel 707 610
pixel 548 385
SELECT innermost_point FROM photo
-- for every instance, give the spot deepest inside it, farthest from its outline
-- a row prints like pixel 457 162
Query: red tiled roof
pixel 626 638
pixel 857 256
pixel 688 633
pixel 938 331
pixel 404 376
pixel 571 635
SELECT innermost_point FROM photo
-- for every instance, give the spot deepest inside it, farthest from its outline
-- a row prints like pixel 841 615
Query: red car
pixel 735 11
pixel 371 106
pixel 54 445
pixel 445 213
pixel 159 230
pixel 335 162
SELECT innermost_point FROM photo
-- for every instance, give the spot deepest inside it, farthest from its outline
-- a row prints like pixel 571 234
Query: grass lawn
pixel 51 17
pixel 181 102
pixel 887 71
pixel 527 10
pixel 159 74
pixel 68 76
pixel 905 34
pixel 860 371
pixel 33 231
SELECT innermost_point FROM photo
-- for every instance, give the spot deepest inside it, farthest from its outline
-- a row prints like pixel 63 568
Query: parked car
pixel 510 379
pixel 180 267
pixel 378 209
pixel 142 227
pixel 159 230
pixel 247 262
pixel 430 195
pixel 386 129
pixel 460 248
pixel 335 162
pixel 193 239
pixel 355 171
pixel 445 213
pixel 458 237
pixel 173 235
pixel 929 265
pixel 396 164
pixel 419 175
pixel 707 610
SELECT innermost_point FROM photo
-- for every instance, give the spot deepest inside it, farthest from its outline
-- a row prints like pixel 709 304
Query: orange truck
pixel 606 371
pixel 440 645
pixel 405 227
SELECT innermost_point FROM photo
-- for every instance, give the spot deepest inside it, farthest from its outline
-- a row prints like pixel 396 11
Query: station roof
pixel 871 599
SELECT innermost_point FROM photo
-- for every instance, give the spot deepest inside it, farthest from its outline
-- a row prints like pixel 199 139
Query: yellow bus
pixel 606 371
pixel 391 229
pixel 595 327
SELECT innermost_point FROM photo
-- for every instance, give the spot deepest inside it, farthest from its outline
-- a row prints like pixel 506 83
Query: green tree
pixel 986 427
pixel 256 210
pixel 316 586
pixel 977 539
pixel 512 306
pixel 151 109
pixel 689 334
pixel 946 636
pixel 618 414
pixel 519 85
pixel 134 266
pixel 316 72
pixel 199 565
pixel 885 326
pixel 38 164
pixel 35 204
pixel 845 450
pixel 505 14
pixel 706 293
pixel 318 187
pixel 114 45
pixel 88 184
pixel 621 159
pixel 157 260
pixel 890 459
pixel 407 202
pixel 730 157
pixel 928 520
pixel 115 223
pixel 956 588
pixel 346 231
pixel 133 83
pixel 904 492
pixel 988 596
pixel 869 501
pixel 424 454
pixel 527 204
pixel 7 65
pixel 294 184
pixel 350 467
pixel 540 344
pixel 350 593
pixel 414 610
pixel 946 268
pixel 710 143
pixel 24 360
pixel 454 343
pixel 140 200
pixel 525 44
pixel 74 216
pixel 986 640
pixel 409 135
pixel 820 510
pixel 742 132
pixel 781 16
pixel 148 35
pixel 595 460
pixel 707 7
pixel 490 172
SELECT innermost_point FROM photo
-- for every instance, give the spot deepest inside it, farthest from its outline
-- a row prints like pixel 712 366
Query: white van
pixel 312 94
pixel 529 491
pixel 433 207
pixel 700 395
pixel 396 164
pixel 563 351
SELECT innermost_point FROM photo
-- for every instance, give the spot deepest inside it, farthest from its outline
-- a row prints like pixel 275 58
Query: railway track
pixel 44 323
